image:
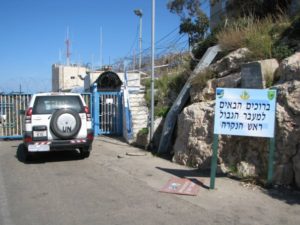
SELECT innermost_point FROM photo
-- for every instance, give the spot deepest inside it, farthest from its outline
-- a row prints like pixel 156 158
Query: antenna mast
pixel 68 53
pixel 101 48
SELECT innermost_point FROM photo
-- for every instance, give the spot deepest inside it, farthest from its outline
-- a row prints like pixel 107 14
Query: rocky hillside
pixel 242 155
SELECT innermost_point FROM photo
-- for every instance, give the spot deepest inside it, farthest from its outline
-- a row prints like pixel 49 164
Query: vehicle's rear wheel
pixel 65 123
pixel 85 152
pixel 27 156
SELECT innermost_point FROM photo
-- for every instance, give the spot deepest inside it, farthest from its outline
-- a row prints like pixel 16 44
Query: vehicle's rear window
pixel 49 104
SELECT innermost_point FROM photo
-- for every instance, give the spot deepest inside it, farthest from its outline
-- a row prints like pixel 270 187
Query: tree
pixel 194 22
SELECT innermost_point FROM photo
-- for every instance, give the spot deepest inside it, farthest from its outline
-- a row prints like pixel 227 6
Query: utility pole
pixel 139 13
pixel 152 70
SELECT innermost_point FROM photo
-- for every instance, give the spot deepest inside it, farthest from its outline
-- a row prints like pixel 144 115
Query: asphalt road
pixel 111 187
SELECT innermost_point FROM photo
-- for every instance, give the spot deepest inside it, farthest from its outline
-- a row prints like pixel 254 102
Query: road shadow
pixel 192 174
pixel 46 157
pixel 289 195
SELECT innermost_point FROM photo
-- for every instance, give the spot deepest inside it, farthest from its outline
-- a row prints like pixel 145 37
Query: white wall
pixel 64 78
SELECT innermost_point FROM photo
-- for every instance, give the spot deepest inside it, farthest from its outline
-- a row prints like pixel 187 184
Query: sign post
pixel 244 112
pixel 214 161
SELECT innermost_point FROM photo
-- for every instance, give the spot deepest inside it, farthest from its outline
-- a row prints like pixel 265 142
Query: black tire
pixel 65 132
pixel 85 153
pixel 27 156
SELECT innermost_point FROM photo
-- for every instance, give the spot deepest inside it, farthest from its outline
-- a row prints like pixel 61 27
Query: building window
pixel 72 77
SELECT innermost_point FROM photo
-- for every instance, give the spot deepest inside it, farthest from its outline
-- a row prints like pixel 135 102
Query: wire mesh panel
pixel 11 114
pixel 110 113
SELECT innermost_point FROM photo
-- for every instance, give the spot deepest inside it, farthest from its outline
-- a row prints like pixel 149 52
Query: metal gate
pixel 12 108
pixel 11 116
pixel 107 113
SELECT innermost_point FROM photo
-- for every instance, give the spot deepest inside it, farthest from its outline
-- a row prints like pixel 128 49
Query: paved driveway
pixel 112 187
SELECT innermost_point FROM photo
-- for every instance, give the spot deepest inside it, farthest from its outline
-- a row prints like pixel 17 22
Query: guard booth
pixel 107 104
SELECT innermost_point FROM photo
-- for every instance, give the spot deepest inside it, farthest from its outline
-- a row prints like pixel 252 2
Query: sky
pixel 33 34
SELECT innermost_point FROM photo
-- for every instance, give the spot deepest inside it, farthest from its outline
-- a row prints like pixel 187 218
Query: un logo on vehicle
pixel 67 129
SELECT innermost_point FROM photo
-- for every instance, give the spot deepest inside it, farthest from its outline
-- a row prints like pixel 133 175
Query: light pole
pixel 139 13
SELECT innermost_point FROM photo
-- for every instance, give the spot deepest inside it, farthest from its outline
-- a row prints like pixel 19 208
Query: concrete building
pixel 65 78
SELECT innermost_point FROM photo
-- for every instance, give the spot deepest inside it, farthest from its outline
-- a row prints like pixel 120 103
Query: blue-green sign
pixel 245 112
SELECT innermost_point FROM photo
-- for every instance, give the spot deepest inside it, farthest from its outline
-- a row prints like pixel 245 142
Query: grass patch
pixel 161 111
pixel 259 36
pixel 143 131
pixel 167 87
pixel 201 79
pixel 282 51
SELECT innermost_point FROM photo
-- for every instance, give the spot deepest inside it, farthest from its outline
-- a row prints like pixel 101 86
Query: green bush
pixel 177 81
pixel 165 86
pixel 146 82
pixel 143 131
pixel 281 51
pixel 161 111
pixel 259 44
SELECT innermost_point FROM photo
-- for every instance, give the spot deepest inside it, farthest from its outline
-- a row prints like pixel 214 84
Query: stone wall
pixel 247 156
pixel 139 113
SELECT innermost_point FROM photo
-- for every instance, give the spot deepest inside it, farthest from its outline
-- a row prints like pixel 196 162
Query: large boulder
pixel 194 135
pixel 246 155
pixel 230 81
pixel 289 68
pixel 296 167
pixel 231 63
pixel 193 145
pixel 208 92
pixel 224 73
pixel 246 169
pixel 288 133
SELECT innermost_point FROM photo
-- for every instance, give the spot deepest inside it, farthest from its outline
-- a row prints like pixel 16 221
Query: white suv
pixel 57 121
